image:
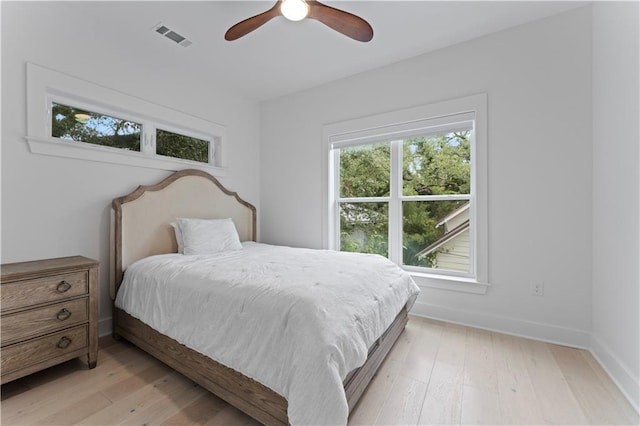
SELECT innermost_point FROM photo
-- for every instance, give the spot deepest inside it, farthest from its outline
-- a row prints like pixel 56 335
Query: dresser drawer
pixel 22 355
pixel 35 322
pixel 19 294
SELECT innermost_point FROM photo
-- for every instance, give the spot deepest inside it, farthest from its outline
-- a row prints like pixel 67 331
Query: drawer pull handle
pixel 64 314
pixel 63 286
pixel 63 343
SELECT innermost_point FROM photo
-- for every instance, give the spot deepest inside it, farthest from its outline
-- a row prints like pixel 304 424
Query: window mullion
pixel 395 204
pixel 363 199
pixel 213 151
pixel 147 147
pixel 334 211
pixel 444 197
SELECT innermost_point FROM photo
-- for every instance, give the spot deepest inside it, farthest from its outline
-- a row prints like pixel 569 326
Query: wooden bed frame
pixel 141 227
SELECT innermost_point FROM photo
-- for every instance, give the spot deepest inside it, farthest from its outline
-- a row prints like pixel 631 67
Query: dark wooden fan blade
pixel 344 22
pixel 245 27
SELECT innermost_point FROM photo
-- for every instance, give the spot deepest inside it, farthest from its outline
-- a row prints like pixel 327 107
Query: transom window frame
pixel 396 125
pixel 45 86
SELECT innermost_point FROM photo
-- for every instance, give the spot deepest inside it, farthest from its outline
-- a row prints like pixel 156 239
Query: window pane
pixel 364 227
pixel 181 146
pixel 437 164
pixel 436 234
pixel 365 170
pixel 79 125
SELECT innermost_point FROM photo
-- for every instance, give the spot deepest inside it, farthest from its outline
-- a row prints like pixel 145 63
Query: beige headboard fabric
pixel 141 220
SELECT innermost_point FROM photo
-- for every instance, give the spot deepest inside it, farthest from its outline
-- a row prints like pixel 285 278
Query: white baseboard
pixel 621 375
pixel 105 326
pixel 513 326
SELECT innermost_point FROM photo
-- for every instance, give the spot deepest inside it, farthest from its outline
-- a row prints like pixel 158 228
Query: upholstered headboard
pixel 140 221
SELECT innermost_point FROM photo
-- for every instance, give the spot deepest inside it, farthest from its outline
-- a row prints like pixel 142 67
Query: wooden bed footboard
pixel 246 394
pixel 249 396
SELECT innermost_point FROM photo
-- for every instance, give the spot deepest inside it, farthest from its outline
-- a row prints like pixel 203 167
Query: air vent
pixel 172 35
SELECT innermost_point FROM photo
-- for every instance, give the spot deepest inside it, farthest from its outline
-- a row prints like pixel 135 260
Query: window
pixel 79 125
pixel 432 200
pixel 73 118
pixel 176 145
pixel 413 188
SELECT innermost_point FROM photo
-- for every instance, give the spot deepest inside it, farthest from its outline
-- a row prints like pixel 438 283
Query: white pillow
pixel 178 233
pixel 208 236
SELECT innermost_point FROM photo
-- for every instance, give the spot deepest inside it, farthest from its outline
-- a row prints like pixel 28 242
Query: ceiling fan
pixel 295 10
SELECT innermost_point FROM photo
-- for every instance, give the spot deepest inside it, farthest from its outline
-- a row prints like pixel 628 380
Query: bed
pixel 143 233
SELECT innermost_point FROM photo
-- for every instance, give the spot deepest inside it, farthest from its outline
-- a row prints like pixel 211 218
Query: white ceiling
pixel 282 57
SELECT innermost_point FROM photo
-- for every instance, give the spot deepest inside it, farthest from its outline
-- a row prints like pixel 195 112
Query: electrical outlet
pixel 537 288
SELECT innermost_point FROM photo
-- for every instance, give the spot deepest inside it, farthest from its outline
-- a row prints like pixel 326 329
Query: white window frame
pixel 45 86
pixel 432 118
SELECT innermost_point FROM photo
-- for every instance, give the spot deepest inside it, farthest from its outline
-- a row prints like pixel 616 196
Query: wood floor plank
pixel 422 353
pixel 557 402
pixel 479 366
pixel 125 408
pixel 173 400
pixel 622 406
pixel 480 398
pixel 199 411
pixel 131 383
pixel 518 403
pixel 442 404
pixel 480 406
pixel 231 416
pixel 596 402
pixel 508 354
pixel 74 412
pixel 404 404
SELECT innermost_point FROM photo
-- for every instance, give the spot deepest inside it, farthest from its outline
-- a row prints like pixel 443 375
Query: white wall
pixel 538 81
pixel 616 193
pixel 54 206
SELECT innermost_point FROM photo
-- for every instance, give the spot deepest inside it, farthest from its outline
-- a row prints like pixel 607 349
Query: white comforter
pixel 295 320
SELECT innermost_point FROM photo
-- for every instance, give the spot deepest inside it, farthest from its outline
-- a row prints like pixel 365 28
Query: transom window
pixel 74 118
pixel 75 124
pixel 409 191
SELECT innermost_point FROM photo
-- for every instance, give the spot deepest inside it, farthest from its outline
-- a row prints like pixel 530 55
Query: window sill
pixel 83 151
pixel 465 285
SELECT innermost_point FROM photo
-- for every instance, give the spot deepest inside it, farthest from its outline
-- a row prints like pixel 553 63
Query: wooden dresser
pixel 49 314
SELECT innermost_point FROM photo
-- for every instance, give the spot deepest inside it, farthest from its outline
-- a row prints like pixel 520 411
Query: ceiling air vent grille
pixel 172 35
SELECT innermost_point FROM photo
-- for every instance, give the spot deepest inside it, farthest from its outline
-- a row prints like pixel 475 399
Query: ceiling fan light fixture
pixel 294 10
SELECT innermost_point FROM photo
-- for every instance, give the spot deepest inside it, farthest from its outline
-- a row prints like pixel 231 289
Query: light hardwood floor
pixel 437 373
